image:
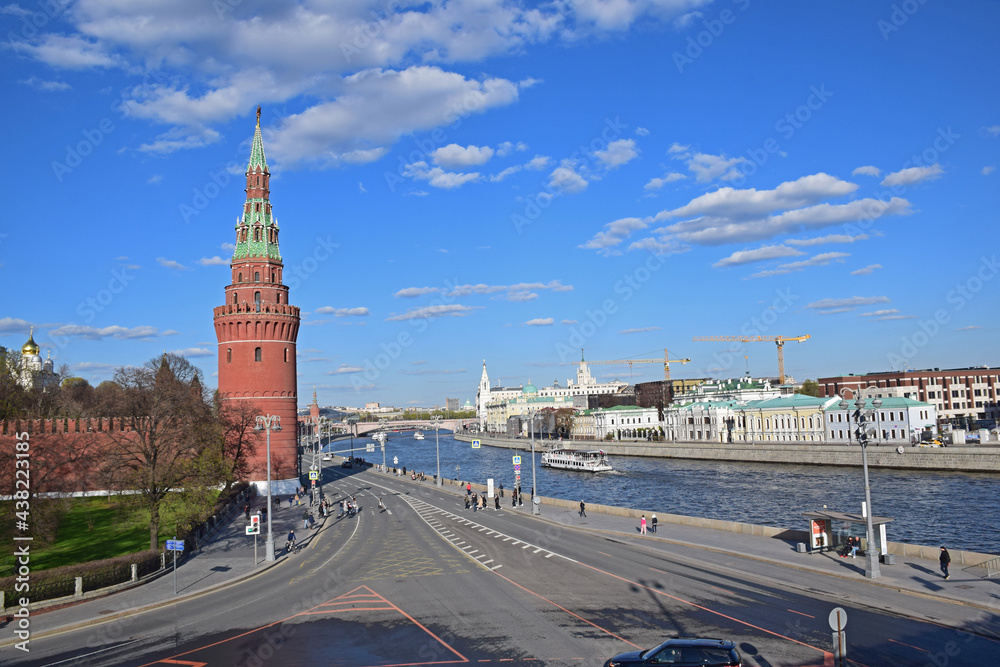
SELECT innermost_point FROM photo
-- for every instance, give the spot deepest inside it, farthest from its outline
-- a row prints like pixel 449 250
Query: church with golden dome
pixel 33 372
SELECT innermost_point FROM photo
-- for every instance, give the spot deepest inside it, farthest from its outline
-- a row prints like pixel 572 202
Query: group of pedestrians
pixel 642 524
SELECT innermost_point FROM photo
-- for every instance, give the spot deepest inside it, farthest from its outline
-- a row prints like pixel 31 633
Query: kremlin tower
pixel 257 327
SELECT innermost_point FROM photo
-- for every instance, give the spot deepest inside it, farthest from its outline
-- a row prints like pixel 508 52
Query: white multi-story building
pixel 585 385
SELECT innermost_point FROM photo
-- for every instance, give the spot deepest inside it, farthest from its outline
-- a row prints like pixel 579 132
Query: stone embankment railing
pixel 958 558
pixel 982 458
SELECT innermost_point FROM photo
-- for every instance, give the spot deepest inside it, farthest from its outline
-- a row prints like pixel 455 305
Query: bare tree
pixel 169 427
pixel 239 440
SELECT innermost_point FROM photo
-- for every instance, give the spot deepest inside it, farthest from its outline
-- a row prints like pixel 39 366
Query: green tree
pixel 809 388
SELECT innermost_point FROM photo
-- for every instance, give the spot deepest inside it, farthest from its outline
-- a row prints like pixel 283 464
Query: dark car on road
pixel 683 652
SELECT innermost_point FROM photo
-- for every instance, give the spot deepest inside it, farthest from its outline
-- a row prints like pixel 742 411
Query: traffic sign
pixel 475 444
pixel 175 545
pixel 395 460
pixel 517 468
pixel 255 520
pixel 517 460
pixel 838 618
pixel 314 475
pixel 253 530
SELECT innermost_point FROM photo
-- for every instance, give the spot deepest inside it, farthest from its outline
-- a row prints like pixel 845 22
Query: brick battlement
pixel 250 309
pixel 64 425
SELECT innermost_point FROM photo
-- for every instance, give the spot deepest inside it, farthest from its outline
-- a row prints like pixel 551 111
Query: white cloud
pixel 14 325
pixel 538 163
pixel 114 331
pixel 47 86
pixel 707 168
pixel 506 147
pixel 971 327
pixel 992 130
pixel 641 132
pixel 676 149
pixel 614 233
pixel 438 177
pixel 193 352
pixel 210 261
pixel 822 259
pixel 540 322
pixel 641 330
pixel 343 312
pixel 564 178
pixel 570 322
pixel 829 238
pixel 913 175
pixel 509 171
pixel 867 171
pixel 866 270
pixel 618 153
pixel 843 305
pixel 879 313
pixel 657 183
pixel 70 52
pixel 411 292
pixel 228 246
pixel 429 312
pixel 757 255
pixel 986 171
pixel 453 155
pixel 345 369
pixel 170 264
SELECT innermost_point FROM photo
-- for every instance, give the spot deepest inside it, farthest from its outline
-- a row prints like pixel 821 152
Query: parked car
pixel 683 652
pixel 346 464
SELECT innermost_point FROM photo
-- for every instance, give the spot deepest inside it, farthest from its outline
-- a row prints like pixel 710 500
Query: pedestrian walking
pixel 496 502
pixel 467 502
pixel 653 521
pixel 296 500
pixel 583 509
pixel 381 505
pixel 468 489
pixel 247 510
pixel 513 498
pixel 305 519
pixel 475 502
pixel 642 525
pixel 501 489
pixel 945 562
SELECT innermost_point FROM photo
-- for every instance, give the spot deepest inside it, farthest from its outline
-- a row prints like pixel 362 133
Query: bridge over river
pixel 456 425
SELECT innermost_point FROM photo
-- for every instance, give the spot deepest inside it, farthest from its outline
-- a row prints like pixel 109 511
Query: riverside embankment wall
pixel 961 558
pixel 953 458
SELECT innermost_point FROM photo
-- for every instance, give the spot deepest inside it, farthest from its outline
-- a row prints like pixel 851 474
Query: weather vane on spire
pixel 258 115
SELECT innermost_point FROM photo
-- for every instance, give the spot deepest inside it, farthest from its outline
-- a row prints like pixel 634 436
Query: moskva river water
pixel 929 508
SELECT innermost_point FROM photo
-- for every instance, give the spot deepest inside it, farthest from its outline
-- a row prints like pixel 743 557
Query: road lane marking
pixel 801 614
pixel 909 645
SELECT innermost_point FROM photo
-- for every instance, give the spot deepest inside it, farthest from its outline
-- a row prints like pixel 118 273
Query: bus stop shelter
pixel 828 531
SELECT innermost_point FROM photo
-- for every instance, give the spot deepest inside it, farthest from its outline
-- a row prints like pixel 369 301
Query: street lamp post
pixel 268 423
pixel 352 422
pixel 436 421
pixel 534 485
pixel 861 419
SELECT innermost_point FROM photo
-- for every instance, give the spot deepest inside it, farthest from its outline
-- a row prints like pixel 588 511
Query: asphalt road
pixel 426 582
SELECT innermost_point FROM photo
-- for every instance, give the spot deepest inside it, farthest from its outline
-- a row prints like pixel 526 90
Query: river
pixel 927 507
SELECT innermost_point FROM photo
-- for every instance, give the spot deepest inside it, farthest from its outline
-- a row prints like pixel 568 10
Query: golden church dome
pixel 31 347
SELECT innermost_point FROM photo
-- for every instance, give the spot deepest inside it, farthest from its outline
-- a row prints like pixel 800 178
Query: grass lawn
pixel 92 529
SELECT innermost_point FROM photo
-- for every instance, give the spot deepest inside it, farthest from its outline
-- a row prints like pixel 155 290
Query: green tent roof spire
pixel 257 150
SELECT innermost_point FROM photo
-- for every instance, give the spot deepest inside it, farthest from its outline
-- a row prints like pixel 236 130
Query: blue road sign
pixel 517 460
pixel 175 545
pixel 475 444
pixel 314 475
pixel 517 468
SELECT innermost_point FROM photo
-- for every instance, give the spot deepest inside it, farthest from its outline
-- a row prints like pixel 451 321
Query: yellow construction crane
pixel 778 340
pixel 665 361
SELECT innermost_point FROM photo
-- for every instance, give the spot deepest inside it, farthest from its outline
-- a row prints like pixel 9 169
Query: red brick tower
pixel 257 327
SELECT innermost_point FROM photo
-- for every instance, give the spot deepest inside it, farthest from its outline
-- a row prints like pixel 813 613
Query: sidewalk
pixel 226 557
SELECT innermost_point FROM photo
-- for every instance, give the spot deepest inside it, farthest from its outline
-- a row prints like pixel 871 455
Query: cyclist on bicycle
pixel 290 545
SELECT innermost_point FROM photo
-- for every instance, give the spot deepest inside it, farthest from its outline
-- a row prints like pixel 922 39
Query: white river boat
pixel 577 459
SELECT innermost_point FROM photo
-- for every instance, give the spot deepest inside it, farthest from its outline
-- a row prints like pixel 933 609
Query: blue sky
pixel 508 181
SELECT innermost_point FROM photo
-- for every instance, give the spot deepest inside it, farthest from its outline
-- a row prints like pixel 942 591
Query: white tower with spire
pixel 482 398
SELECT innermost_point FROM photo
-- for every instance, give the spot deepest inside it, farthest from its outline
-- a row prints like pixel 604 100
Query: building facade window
pixel 256 354
pixel 229 355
